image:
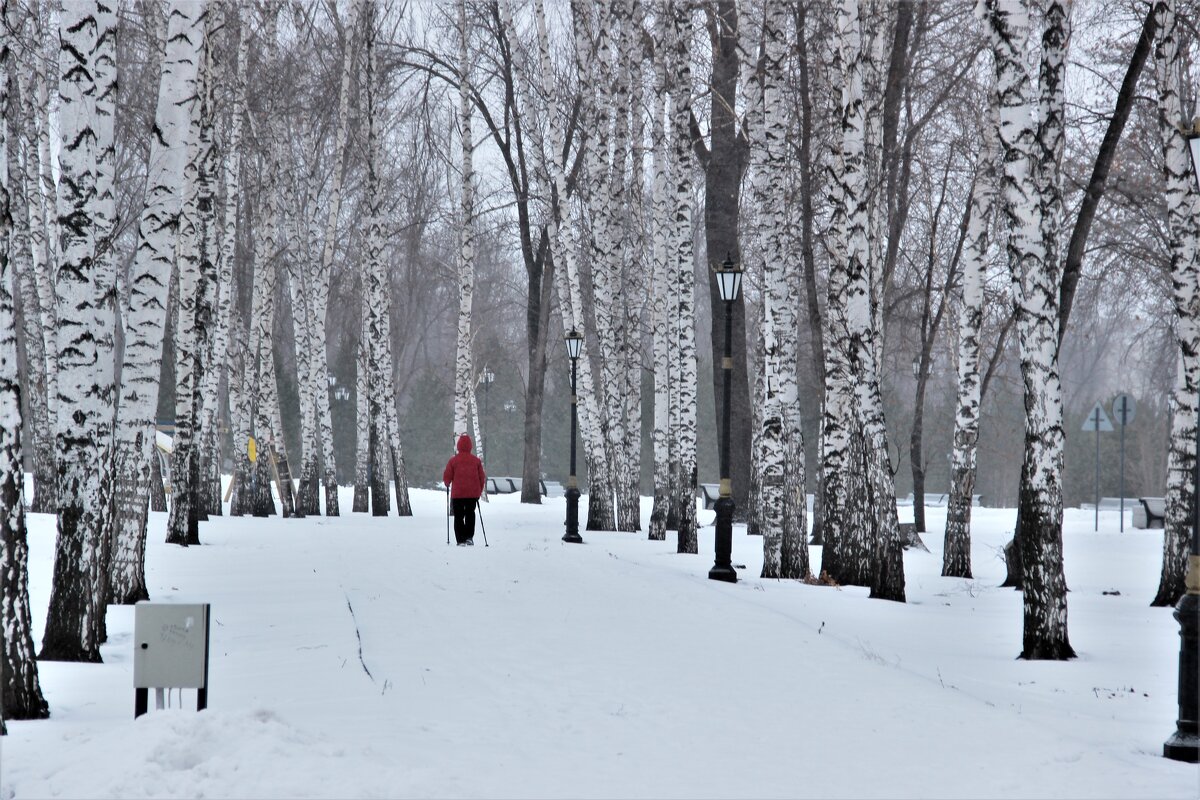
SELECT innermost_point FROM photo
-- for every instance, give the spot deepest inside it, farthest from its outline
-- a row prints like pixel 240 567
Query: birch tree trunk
pixel 29 254
pixel 956 552
pixel 197 279
pixel 633 284
pixel 463 370
pixel 685 319
pixel 20 692
pixel 223 323
pixel 1184 243
pixel 362 414
pixel 145 319
pixel 85 401
pixel 662 281
pixel 265 406
pixel 847 554
pixel 104 212
pixel 377 331
pixel 882 526
pixel 1028 184
pixel 593 63
pixel 320 289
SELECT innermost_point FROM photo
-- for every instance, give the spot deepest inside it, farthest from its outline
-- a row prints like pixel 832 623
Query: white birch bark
pixel 196 267
pixel 145 318
pixel 685 310
pixel 265 405
pixel 26 255
pixel 20 692
pixel 84 407
pixel 1029 178
pixel 466 235
pixel 593 63
pixel 1183 225
pixel 223 322
pixel 320 286
pixel 782 440
pixel 956 552
pixel 362 411
pixel 887 580
pixel 375 292
pixel 662 200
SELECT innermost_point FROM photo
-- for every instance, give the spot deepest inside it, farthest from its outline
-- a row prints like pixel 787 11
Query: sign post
pixel 1123 409
pixel 1097 421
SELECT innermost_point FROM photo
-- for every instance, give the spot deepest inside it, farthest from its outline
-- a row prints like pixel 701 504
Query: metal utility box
pixel 170 649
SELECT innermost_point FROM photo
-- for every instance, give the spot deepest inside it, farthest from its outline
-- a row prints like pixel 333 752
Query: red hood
pixel 464 444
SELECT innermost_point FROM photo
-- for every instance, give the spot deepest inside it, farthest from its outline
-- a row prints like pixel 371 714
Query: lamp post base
pixel 1183 747
pixel 723 569
pixel 1184 744
pixel 572 535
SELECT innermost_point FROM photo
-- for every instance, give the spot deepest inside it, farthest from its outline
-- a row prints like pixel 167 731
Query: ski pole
pixel 447 516
pixel 482 527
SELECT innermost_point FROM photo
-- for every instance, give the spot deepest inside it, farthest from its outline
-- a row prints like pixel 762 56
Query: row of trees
pixel 282 191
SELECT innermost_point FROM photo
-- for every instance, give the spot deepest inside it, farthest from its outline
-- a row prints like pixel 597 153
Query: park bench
pixel 710 492
pixel 552 489
pixel 503 485
pixel 1150 512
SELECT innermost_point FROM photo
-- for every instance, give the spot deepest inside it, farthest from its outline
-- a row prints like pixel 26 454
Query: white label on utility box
pixel 170 645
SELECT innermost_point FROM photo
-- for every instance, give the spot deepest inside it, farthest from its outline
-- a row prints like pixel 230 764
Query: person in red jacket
pixel 466 479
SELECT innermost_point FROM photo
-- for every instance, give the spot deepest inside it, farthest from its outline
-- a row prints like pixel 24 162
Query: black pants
pixel 464 518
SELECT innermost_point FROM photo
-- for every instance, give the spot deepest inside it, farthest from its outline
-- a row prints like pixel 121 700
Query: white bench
pixel 1150 512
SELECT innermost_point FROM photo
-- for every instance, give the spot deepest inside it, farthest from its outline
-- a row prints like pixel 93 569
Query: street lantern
pixel 729 283
pixel 1184 744
pixel 729 279
pixel 574 341
pixel 486 379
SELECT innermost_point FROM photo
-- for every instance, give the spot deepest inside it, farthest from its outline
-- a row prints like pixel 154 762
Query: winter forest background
pixel 318 225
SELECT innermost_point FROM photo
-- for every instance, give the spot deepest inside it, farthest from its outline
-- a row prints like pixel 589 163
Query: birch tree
pixel 956 552
pixel 30 259
pixel 223 323
pixel 783 521
pixel 683 256
pixel 847 555
pixel 320 285
pixel 196 254
pixel 20 692
pixel 85 369
pixel 463 369
pixel 1029 183
pixel 1183 242
pixel 662 281
pixel 149 280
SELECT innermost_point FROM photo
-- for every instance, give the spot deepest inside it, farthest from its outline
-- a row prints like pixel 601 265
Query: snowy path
pixel 615 669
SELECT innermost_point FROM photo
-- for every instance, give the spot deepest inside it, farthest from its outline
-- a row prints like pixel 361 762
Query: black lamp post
pixel 574 340
pixel 1184 744
pixel 729 282
pixel 487 377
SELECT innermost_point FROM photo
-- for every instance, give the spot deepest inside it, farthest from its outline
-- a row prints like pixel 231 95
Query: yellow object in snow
pixel 252 450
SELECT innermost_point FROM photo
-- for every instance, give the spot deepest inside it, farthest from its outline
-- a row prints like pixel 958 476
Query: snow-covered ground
pixel 533 668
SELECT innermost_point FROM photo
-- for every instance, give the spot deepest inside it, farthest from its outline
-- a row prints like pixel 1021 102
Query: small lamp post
pixel 574 340
pixel 487 377
pixel 729 283
pixel 917 367
pixel 1184 744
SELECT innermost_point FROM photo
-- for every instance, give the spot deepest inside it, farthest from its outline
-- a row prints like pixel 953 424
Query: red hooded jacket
pixel 464 472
